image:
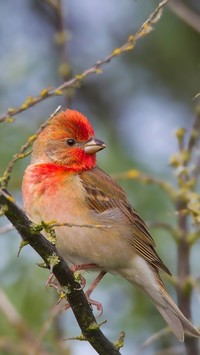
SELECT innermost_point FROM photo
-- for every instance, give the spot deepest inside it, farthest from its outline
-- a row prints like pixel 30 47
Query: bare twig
pixel 75 82
pixel 70 225
pixel 137 175
pixel 21 154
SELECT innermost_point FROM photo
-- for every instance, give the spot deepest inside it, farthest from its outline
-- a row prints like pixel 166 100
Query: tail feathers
pixel 175 318
pixel 147 278
pixel 173 321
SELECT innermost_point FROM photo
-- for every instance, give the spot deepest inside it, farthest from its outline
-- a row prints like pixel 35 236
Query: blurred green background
pixel 135 106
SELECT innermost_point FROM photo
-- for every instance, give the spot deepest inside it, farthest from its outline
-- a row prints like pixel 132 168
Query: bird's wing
pixel 103 193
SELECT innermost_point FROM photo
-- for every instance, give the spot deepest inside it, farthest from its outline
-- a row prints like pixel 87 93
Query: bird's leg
pixel 94 284
pixel 73 268
pixel 79 267
pixel 82 267
pixel 91 289
pixel 97 304
pixel 52 281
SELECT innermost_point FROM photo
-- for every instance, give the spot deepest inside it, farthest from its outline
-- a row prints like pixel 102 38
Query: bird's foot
pixel 52 282
pixel 80 278
pixel 98 305
pixel 92 302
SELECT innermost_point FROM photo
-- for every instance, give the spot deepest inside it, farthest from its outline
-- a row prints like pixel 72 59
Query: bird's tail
pixel 147 278
pixel 174 317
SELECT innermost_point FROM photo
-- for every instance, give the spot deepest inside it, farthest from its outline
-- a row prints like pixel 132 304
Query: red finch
pixel 63 183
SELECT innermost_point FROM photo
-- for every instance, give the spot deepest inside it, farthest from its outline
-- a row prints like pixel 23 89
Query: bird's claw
pixel 94 303
pixel 82 282
pixel 97 304
pixel 73 268
pixel 52 282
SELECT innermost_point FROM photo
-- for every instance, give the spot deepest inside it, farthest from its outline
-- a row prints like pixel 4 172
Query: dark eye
pixel 71 142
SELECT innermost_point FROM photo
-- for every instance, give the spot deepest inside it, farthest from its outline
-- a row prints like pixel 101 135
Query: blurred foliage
pixel 164 67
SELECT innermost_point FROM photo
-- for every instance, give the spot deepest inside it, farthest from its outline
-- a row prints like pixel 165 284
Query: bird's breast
pixel 52 195
pixel 61 198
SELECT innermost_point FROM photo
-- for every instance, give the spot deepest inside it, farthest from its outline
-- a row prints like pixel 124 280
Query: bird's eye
pixel 71 142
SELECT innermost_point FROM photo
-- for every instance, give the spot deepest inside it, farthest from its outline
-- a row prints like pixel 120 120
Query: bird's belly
pixel 105 247
pixel 84 245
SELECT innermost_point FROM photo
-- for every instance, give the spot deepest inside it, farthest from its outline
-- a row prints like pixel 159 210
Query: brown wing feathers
pixel 110 195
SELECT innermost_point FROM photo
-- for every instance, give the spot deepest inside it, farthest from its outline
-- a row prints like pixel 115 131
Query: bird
pixel 63 183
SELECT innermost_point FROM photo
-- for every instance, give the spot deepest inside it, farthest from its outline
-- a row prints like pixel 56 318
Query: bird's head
pixel 68 140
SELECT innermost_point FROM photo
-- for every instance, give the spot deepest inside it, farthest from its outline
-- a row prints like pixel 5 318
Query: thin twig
pixel 21 154
pixel 75 82
pixel 80 225
pixel 137 175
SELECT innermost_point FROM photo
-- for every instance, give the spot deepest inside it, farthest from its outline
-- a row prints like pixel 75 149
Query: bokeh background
pixel 135 106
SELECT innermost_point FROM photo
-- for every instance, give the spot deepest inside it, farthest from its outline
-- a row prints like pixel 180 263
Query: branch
pixel 185 186
pixel 146 179
pixel 21 154
pixel 76 297
pixel 61 38
pixel 75 82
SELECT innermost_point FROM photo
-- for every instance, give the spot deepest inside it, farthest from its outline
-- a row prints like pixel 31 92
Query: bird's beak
pixel 93 146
